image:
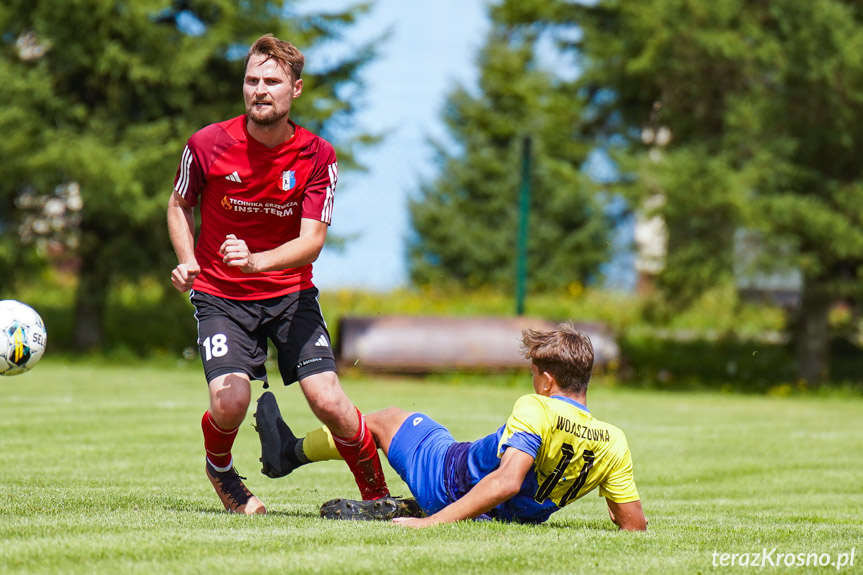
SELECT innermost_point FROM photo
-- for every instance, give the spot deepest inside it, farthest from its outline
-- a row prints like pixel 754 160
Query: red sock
pixel 217 441
pixel 361 454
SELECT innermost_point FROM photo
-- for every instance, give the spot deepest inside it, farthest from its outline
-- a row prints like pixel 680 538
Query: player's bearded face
pixel 268 91
pixel 265 113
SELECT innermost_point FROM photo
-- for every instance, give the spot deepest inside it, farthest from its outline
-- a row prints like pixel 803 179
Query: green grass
pixel 102 472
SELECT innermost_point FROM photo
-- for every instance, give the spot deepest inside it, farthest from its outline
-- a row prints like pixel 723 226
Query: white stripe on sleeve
pixel 182 184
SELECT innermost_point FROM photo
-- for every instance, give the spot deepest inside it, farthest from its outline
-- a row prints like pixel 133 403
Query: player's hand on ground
pixel 235 253
pixel 413 522
pixel 184 276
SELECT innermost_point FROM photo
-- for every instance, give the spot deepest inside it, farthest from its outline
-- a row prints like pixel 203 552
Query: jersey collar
pixel 294 140
pixel 571 402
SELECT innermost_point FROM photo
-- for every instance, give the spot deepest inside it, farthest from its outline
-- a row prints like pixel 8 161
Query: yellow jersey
pixel 573 452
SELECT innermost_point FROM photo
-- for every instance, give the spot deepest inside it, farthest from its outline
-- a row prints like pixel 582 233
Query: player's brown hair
pixel 565 353
pixel 282 51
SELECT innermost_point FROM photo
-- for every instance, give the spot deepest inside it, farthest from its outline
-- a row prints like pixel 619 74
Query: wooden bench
pixel 426 344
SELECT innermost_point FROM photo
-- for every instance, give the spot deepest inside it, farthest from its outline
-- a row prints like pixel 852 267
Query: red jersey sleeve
pixel 321 189
pixel 190 176
pixel 201 150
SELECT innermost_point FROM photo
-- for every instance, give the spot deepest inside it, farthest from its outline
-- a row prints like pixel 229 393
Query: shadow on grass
pixel 270 513
pixel 586 525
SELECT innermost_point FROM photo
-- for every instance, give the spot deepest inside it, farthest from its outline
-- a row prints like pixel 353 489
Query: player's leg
pixel 297 324
pixel 352 437
pixel 352 441
pixel 229 354
pixel 230 395
pixel 303 343
pixel 281 450
pixel 384 424
pixel 417 450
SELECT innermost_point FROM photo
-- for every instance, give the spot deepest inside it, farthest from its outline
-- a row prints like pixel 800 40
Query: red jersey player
pixel 264 187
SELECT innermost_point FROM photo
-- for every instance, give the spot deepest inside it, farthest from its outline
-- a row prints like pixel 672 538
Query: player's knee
pixel 335 410
pixel 230 397
pixel 229 410
pixel 391 417
pixel 326 396
pixel 335 413
pixel 229 415
pixel 388 414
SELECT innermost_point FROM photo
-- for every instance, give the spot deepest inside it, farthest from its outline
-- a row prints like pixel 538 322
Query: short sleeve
pixel 321 188
pixel 189 181
pixel 523 429
pixel 619 485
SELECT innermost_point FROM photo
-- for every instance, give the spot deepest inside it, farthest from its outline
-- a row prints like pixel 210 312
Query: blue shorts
pixel 418 454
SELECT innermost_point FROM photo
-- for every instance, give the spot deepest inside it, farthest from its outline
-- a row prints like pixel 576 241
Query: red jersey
pixel 257 193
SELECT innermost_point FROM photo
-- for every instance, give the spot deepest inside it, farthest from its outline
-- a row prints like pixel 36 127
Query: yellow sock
pixel 318 445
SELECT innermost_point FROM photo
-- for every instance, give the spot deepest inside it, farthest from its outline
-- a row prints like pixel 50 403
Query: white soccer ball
pixel 22 337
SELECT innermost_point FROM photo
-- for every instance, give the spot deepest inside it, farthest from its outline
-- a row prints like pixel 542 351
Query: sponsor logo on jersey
pixel 288 180
pixel 243 206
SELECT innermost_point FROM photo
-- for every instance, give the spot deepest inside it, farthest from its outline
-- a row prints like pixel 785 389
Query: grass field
pixel 102 472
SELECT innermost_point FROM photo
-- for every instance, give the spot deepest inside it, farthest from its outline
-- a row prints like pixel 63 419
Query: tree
pixel 764 105
pixel 465 220
pixel 99 96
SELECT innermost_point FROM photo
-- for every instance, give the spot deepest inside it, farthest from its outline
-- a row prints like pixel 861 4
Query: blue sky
pixel 432 47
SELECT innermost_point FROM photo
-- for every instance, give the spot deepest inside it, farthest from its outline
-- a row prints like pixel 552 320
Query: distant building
pixel 777 286
pixel 651 243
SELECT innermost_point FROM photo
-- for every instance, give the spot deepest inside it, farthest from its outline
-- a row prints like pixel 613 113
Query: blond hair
pixel 282 52
pixel 565 353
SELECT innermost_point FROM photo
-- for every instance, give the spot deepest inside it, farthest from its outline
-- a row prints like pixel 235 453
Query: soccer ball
pixel 22 337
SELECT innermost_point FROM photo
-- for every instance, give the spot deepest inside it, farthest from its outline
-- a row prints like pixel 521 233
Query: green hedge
pixel 718 344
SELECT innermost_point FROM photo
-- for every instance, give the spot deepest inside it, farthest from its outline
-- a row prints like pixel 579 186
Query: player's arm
pixel 628 516
pixel 292 254
pixel 181 229
pixel 492 490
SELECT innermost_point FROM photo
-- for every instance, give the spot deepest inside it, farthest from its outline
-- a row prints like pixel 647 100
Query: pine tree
pixel 763 102
pixel 466 219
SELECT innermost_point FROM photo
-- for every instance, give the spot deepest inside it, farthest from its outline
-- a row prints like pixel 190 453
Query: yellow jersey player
pixel 550 452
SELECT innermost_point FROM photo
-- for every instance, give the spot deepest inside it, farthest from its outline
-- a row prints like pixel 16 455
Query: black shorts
pixel 233 334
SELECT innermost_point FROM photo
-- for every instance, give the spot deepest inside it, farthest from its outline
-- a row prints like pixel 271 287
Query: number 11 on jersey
pixel 555 476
